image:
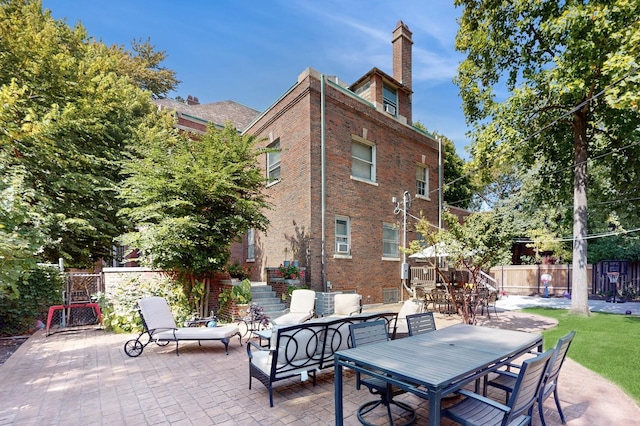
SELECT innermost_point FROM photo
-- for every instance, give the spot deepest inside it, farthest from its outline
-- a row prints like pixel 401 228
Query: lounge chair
pixel 346 304
pixel 160 327
pixel 302 308
pixel 411 306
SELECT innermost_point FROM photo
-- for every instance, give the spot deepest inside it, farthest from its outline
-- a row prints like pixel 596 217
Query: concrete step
pixel 263 295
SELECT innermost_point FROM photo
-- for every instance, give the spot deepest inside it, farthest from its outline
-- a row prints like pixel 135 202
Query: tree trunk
pixel 579 284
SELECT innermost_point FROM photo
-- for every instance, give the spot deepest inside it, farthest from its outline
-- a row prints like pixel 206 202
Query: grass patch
pixel 607 344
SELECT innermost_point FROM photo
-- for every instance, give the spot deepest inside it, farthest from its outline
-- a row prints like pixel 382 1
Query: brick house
pixel 345 152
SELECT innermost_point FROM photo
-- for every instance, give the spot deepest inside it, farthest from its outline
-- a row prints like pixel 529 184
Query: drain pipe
pixel 323 195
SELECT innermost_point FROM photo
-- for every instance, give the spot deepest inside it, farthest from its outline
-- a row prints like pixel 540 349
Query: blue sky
pixel 253 51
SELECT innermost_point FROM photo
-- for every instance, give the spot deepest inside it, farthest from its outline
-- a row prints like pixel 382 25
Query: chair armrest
pixel 484 400
pixel 506 373
pixel 257 347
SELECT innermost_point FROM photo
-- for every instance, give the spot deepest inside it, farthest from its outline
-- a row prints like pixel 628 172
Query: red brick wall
pixel 296 216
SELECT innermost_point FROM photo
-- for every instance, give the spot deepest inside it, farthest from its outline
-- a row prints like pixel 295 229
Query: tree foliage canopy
pixel 192 198
pixel 71 107
pixel 552 87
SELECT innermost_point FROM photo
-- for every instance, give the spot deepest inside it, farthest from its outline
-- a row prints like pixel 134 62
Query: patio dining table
pixel 434 364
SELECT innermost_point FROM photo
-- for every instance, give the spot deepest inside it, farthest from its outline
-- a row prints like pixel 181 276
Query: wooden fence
pixel 526 280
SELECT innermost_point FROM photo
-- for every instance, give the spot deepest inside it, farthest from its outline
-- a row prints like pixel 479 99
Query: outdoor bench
pixel 303 349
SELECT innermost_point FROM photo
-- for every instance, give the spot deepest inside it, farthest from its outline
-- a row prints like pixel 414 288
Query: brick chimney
pixel 192 100
pixel 402 42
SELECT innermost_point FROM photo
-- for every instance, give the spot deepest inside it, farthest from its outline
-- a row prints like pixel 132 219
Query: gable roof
pixel 217 113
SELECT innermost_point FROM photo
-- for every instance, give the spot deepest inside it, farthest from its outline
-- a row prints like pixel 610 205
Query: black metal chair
pixel 490 302
pixel 479 410
pixel 506 380
pixel 421 323
pixel 373 332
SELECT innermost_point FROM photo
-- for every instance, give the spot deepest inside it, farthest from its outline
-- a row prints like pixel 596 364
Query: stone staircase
pixel 263 295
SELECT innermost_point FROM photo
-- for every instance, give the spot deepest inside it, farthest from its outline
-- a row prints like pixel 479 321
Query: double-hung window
pixel 343 239
pixel 390 100
pixel 273 162
pixel 422 181
pixel 363 160
pixel 389 240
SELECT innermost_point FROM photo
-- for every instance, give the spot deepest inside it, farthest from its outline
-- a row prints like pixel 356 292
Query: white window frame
pixel 251 244
pixel 273 163
pixel 422 181
pixel 394 242
pixel 390 100
pixel 356 160
pixel 342 239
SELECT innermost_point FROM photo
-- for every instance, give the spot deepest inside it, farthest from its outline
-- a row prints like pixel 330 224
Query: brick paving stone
pixel 84 378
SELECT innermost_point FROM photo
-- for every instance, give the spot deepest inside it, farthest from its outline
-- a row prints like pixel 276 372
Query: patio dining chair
pixel 490 302
pixel 506 380
pixel 479 410
pixel 368 332
pixel 421 323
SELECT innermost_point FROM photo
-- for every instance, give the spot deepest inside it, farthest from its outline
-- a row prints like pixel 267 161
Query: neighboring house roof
pixel 217 113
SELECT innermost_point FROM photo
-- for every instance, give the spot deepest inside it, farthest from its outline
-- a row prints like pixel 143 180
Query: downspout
pixel 323 194
pixel 440 179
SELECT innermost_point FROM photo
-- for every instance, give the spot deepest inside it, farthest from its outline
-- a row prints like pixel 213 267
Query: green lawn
pixel 608 344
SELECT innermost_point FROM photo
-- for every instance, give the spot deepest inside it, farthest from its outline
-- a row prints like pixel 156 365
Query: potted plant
pixel 239 294
pixel 237 270
pixel 290 273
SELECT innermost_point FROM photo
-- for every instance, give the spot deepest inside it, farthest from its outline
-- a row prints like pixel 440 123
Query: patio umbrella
pixel 436 250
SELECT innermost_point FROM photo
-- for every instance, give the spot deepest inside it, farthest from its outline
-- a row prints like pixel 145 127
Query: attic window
pixel 390 100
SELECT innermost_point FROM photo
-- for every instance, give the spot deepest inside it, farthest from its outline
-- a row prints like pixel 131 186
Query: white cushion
pixel 197 333
pixel 156 313
pixel 292 318
pixel 346 304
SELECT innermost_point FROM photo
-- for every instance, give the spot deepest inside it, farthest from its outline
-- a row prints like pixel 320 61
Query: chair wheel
pixel 133 348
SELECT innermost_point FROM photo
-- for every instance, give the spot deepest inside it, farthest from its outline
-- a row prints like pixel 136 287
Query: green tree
pixel 190 199
pixel 531 84
pixel 475 244
pixel 71 108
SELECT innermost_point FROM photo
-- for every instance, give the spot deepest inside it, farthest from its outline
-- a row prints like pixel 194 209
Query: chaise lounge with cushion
pixel 160 327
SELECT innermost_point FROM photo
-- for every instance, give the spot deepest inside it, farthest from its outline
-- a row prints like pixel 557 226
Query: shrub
pixel 39 289
pixel 119 311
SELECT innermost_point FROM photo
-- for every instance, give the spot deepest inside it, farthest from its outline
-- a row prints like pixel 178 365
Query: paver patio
pixel 83 377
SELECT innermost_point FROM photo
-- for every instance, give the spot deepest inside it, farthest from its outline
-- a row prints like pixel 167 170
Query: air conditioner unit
pixel 343 248
pixel 390 109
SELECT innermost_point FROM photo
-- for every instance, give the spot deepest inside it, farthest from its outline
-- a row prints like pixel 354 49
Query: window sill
pixel 370 182
pixel 341 256
pixel 270 184
pixel 423 197
pixel 390 259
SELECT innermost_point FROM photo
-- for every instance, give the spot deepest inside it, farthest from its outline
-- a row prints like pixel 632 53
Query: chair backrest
pixel 525 390
pixel 347 304
pixel 302 300
pixel 559 356
pixel 411 306
pixel 367 332
pixel 156 313
pixel 421 323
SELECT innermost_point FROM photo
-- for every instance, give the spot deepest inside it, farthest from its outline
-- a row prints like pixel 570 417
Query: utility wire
pixel 552 123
